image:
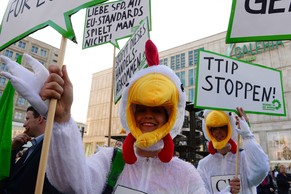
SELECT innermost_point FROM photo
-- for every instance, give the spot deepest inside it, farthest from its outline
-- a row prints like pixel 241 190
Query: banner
pixel 23 17
pixel 252 21
pixel 225 83
pixel 110 22
pixel 130 59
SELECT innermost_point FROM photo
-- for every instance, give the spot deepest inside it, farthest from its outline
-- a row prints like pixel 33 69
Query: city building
pixel 272 132
pixel 44 53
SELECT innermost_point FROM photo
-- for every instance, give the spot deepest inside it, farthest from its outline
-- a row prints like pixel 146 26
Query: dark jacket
pixel 266 185
pixel 23 175
pixel 282 183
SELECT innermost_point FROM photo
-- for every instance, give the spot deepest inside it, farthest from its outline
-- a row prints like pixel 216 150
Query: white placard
pixel 23 17
pixel 219 183
pixel 259 20
pixel 130 59
pixel 226 83
pixel 110 22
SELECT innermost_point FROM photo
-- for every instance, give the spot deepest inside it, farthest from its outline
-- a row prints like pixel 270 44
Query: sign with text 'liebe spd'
pixel 225 83
pixel 113 21
pixel 252 21
pixel 23 17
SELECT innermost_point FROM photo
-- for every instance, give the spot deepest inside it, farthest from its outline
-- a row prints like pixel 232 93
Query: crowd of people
pixel 152 110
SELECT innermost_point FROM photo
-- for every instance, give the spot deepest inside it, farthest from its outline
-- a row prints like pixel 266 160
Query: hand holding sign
pixel 15 25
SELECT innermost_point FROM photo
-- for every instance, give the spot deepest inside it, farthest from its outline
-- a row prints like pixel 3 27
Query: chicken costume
pixel 71 172
pixel 216 169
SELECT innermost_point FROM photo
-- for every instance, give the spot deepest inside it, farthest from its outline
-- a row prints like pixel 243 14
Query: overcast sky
pixel 173 24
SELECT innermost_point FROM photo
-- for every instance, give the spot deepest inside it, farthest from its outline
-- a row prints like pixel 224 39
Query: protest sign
pixel 259 21
pixel 130 59
pixel 226 83
pixel 23 17
pixel 110 22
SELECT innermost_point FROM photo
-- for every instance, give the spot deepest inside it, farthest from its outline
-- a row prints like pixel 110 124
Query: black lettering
pixel 234 67
pixel 211 86
pixel 266 95
pixel 218 60
pixel 248 87
pixel 238 86
pixel 255 93
pixel 39 4
pixel 272 5
pixel 209 61
pixel 259 11
pixel 218 82
pixel 229 89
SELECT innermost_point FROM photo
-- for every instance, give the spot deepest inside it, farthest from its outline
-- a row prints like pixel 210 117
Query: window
pixel 19 116
pixel 22 44
pixel 279 145
pixel 191 77
pixel 178 74
pixel 3 67
pixel 190 58
pixel 8 53
pixel 166 61
pixel 196 54
pixel 183 60
pixel 43 52
pixel 178 62
pixel 16 56
pixel 173 62
pixel 34 49
pixel 191 95
pixel 2 81
pixel 183 76
pixel 21 101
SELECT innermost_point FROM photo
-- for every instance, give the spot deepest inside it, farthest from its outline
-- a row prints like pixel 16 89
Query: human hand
pixel 28 84
pixel 20 140
pixel 59 86
pixel 242 124
pixel 242 114
pixel 234 185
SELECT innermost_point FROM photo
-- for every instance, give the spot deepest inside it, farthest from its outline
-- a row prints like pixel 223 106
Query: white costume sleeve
pixel 68 169
pixel 257 164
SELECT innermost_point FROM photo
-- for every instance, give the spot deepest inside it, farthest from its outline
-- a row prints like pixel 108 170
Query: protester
pixel 267 186
pixel 152 112
pixel 283 180
pixel 219 167
pixel 23 173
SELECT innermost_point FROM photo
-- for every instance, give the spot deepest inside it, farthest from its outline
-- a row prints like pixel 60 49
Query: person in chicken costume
pixel 218 169
pixel 151 111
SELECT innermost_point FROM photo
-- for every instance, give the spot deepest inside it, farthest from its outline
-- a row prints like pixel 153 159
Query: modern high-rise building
pixel 272 132
pixel 44 53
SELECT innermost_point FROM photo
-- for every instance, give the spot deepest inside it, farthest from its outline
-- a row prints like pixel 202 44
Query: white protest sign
pixel 219 183
pixel 110 22
pixel 23 17
pixel 252 20
pixel 226 83
pixel 130 59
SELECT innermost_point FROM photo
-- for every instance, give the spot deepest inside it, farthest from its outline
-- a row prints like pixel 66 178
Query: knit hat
pixel 156 85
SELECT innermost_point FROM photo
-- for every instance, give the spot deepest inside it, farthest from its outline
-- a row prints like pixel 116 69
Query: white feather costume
pixel 253 164
pixel 70 172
